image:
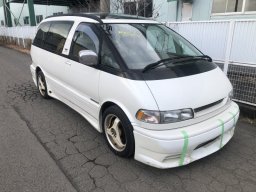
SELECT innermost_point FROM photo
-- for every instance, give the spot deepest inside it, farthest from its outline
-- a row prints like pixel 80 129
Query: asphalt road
pixel 46 146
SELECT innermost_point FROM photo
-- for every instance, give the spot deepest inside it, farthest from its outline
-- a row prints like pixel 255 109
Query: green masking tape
pixel 222 131
pixel 234 117
pixel 185 147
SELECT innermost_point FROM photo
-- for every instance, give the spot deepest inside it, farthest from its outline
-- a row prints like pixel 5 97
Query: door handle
pixel 68 63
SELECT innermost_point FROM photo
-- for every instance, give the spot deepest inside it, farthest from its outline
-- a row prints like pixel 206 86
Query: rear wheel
pixel 118 131
pixel 41 85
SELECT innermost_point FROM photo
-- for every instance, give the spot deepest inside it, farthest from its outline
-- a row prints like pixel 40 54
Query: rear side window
pixel 41 34
pixel 57 35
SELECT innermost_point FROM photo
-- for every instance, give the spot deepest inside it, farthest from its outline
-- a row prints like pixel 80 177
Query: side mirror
pixel 88 57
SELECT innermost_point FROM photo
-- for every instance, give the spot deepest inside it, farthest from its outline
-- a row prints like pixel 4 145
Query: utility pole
pixel 7 14
pixel 31 10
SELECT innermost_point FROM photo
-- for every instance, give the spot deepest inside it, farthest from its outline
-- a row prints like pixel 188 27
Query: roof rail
pixel 125 16
pixel 90 16
pixel 99 16
pixel 105 15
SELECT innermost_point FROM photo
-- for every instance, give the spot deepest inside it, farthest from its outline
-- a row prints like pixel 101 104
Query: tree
pixel 144 8
pixel 117 6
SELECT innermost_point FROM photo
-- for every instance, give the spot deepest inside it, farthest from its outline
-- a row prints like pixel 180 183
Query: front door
pixel 83 80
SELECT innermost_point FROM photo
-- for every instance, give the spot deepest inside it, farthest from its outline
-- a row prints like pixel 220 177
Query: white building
pixel 20 13
pixel 187 10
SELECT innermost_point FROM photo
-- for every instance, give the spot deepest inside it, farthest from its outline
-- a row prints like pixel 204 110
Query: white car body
pixel 159 145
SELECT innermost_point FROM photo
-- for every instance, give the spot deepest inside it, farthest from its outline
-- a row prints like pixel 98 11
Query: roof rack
pixel 90 16
pixel 103 15
pixel 125 16
pixel 99 16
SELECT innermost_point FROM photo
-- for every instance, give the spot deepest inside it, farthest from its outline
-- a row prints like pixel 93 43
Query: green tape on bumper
pixel 222 132
pixel 185 148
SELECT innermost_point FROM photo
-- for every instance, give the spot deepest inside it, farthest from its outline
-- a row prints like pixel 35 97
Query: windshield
pixel 143 44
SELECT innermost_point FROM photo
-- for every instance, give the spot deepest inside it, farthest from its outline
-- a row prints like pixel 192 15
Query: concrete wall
pixel 201 10
pixel 17 42
pixel 1 14
pixel 166 11
pixel 234 16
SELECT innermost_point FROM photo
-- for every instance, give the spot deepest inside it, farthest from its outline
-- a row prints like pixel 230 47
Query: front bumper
pixel 177 147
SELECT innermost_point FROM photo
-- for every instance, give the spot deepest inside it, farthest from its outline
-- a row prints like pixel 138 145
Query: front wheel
pixel 118 132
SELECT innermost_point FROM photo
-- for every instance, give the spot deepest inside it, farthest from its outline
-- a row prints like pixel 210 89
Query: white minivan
pixel 152 94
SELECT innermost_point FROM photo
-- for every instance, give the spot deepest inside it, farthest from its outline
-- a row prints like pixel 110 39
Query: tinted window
pixel 41 34
pixel 39 18
pixel 57 35
pixel 250 5
pixel 145 8
pixel 26 20
pixel 84 39
pixel 223 6
pixel 130 8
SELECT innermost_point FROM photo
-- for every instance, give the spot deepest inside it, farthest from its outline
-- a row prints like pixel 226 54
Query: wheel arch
pixel 38 69
pixel 108 104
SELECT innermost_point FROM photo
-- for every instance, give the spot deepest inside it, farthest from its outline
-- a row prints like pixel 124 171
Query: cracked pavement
pixel 81 154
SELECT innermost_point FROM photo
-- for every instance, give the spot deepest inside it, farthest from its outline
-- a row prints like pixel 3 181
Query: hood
pixel 190 92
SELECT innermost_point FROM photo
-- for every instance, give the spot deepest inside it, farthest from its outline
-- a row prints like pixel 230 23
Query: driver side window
pixel 84 39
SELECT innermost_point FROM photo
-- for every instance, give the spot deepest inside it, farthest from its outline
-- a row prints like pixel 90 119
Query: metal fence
pixel 232 45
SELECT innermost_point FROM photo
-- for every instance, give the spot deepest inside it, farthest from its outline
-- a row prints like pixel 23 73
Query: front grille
pixel 207 106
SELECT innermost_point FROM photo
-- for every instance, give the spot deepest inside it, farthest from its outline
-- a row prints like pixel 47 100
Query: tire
pixel 42 86
pixel 116 125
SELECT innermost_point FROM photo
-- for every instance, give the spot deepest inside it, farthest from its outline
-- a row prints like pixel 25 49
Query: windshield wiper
pixel 208 58
pixel 162 62
pixel 175 59
pixel 191 58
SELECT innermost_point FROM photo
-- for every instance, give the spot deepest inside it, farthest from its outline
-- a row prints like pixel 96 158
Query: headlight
pixel 157 117
pixel 176 115
pixel 148 116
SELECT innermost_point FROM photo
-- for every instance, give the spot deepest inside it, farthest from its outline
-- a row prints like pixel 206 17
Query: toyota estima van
pixel 152 94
